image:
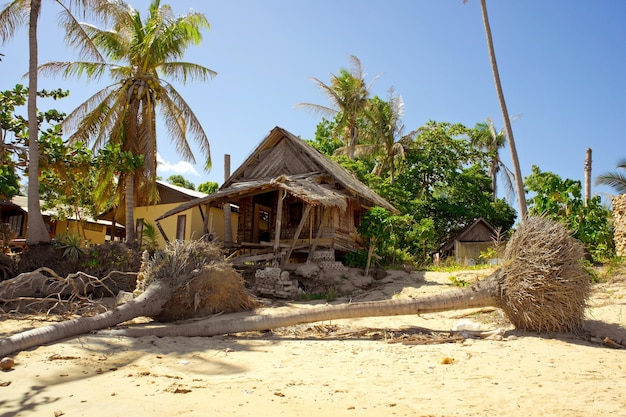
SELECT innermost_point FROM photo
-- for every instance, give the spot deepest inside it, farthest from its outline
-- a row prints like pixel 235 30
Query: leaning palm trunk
pixel 148 304
pixel 179 283
pixel 541 287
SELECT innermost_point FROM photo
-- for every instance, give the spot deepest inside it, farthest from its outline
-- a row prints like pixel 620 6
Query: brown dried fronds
pixel 217 288
pixel 543 285
pixel 179 259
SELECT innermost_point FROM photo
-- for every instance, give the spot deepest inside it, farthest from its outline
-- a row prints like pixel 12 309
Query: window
pixel 181 222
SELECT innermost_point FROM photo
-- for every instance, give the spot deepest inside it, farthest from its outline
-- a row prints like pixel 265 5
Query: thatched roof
pixel 284 161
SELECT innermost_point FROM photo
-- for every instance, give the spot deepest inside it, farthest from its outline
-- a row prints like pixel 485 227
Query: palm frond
pixel 186 71
pixel 15 14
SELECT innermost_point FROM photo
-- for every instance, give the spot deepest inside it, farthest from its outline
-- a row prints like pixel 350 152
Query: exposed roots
pixel 44 291
pixel 544 286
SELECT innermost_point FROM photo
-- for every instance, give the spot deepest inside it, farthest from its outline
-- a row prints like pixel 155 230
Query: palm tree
pixel 615 179
pixel 491 141
pixel 519 183
pixel 388 131
pixel 141 54
pixel 348 93
pixel 17 13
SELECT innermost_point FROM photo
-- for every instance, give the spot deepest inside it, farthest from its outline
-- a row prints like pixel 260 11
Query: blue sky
pixel 562 66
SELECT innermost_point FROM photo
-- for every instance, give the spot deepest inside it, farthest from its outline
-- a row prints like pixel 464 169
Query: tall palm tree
pixel 349 94
pixel 141 54
pixel 519 183
pixel 615 179
pixel 491 141
pixel 388 131
pixel 15 14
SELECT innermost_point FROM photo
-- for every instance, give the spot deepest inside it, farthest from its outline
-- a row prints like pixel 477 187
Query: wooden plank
pixel 303 220
pixel 279 218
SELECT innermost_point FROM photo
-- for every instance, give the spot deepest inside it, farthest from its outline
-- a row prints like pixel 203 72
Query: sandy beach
pixel 387 366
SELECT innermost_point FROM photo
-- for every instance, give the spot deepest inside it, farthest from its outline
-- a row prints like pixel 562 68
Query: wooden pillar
pixel 279 218
pixel 325 212
pixel 228 227
pixel 307 209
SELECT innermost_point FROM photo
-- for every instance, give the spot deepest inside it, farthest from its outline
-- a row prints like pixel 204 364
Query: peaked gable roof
pixel 283 154
pixel 284 161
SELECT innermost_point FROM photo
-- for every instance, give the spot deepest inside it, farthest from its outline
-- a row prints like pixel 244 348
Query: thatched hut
pixel 293 202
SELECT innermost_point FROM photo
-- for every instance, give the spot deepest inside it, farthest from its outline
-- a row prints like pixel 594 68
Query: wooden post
pixel 319 233
pixel 279 218
pixel 307 209
pixel 228 227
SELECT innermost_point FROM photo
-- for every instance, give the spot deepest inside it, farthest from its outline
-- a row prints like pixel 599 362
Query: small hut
pixel 294 203
pixel 467 244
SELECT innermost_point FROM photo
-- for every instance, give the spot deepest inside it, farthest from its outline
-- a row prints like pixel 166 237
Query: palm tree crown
pixel 140 54
pixel 491 141
pixel 388 131
pixel 348 94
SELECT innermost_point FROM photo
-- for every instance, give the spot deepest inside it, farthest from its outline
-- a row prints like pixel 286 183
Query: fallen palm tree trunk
pixel 185 271
pixel 541 287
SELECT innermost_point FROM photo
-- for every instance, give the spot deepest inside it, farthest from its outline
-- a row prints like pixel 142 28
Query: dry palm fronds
pixel 543 285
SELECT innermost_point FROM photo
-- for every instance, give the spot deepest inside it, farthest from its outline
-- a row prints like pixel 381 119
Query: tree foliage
pixel 181 181
pixel 562 200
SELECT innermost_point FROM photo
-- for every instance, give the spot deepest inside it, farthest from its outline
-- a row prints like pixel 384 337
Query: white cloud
pixel 165 168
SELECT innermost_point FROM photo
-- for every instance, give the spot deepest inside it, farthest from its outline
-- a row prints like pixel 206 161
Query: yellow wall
pixel 95 233
pixel 193 223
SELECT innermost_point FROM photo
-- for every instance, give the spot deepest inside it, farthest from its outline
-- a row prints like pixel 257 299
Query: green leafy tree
pixel 615 179
pixel 142 54
pixel 181 181
pixel 13 149
pixel 562 200
pixel 18 13
pixel 443 180
pixel 208 187
pixel 348 93
pixel 14 132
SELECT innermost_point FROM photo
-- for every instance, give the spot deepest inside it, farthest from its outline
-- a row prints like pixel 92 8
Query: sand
pixel 389 366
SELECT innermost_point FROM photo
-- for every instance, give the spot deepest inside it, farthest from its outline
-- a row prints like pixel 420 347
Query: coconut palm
pixel 388 131
pixel 15 14
pixel 519 183
pixel 140 54
pixel 615 179
pixel 348 93
pixel 491 141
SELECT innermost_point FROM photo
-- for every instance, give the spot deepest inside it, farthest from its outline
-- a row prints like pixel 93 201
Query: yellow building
pixel 188 224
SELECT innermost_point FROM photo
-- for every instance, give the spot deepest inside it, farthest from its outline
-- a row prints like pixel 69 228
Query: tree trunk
pixel 587 176
pixel 147 304
pixel 36 233
pixel 130 206
pixel 478 295
pixel 519 183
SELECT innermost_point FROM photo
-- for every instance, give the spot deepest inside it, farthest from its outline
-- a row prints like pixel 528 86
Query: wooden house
pixel 293 201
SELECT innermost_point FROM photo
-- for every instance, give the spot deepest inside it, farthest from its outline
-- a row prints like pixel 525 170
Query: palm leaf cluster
pixel 142 57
